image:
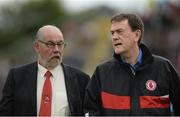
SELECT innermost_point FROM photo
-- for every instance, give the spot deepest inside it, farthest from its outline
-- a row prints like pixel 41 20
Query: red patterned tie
pixel 45 108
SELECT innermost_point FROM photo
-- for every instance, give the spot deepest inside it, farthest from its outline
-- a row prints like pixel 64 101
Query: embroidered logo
pixel 151 85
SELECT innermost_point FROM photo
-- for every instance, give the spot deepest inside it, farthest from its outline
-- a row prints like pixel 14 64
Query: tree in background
pixel 21 20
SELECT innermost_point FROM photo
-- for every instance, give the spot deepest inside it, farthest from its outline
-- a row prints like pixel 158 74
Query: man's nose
pixel 56 48
pixel 115 36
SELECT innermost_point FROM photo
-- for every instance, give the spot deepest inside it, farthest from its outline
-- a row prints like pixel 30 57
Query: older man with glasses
pixel 46 87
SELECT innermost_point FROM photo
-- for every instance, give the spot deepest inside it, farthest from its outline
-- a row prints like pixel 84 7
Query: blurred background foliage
pixel 19 21
pixel 86 32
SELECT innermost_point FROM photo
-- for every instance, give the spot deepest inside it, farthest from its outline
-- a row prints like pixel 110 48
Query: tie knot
pixel 48 74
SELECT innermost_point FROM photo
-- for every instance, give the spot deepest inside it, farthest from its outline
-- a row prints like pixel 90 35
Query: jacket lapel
pixel 71 88
pixel 31 77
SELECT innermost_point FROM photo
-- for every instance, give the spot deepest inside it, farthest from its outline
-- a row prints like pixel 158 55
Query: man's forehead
pixel 52 37
pixel 51 33
pixel 119 25
pixel 116 27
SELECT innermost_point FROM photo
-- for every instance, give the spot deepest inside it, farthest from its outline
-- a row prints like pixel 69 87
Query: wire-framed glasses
pixel 51 44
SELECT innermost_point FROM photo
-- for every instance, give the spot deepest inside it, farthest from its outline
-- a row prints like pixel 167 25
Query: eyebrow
pixel 118 29
pixel 56 42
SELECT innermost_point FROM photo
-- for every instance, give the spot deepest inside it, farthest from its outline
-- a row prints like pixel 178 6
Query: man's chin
pixel 117 51
pixel 55 61
pixel 53 64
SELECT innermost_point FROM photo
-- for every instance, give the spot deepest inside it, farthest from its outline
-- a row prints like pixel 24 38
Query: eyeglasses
pixel 51 44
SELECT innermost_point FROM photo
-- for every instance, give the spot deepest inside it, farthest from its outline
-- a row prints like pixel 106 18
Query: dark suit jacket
pixel 20 95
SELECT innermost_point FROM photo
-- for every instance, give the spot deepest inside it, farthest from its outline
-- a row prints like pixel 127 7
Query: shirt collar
pixel 138 60
pixel 42 70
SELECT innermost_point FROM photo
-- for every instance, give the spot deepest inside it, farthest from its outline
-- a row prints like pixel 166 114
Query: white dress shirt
pixel 60 105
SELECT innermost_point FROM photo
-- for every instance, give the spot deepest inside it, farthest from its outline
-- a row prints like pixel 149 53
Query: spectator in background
pixel 134 82
pixel 46 87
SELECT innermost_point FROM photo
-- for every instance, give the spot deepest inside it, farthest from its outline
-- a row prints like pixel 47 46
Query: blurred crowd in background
pixel 86 33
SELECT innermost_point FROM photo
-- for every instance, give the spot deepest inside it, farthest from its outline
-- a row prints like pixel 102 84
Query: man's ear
pixel 137 35
pixel 36 46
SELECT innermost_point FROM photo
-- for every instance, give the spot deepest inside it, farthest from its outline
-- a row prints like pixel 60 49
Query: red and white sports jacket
pixel 116 89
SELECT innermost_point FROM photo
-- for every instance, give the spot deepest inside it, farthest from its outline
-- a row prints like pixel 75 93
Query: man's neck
pixel 131 56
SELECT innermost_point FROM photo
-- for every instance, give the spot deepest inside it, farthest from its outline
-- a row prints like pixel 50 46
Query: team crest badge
pixel 151 85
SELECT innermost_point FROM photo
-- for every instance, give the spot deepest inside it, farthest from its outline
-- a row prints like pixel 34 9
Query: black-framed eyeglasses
pixel 51 44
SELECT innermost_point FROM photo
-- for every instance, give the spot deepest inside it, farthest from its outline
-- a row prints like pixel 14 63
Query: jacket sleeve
pixel 6 103
pixel 92 103
pixel 174 89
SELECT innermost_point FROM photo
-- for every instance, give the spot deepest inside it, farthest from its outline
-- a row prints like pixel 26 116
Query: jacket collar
pixel 146 57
